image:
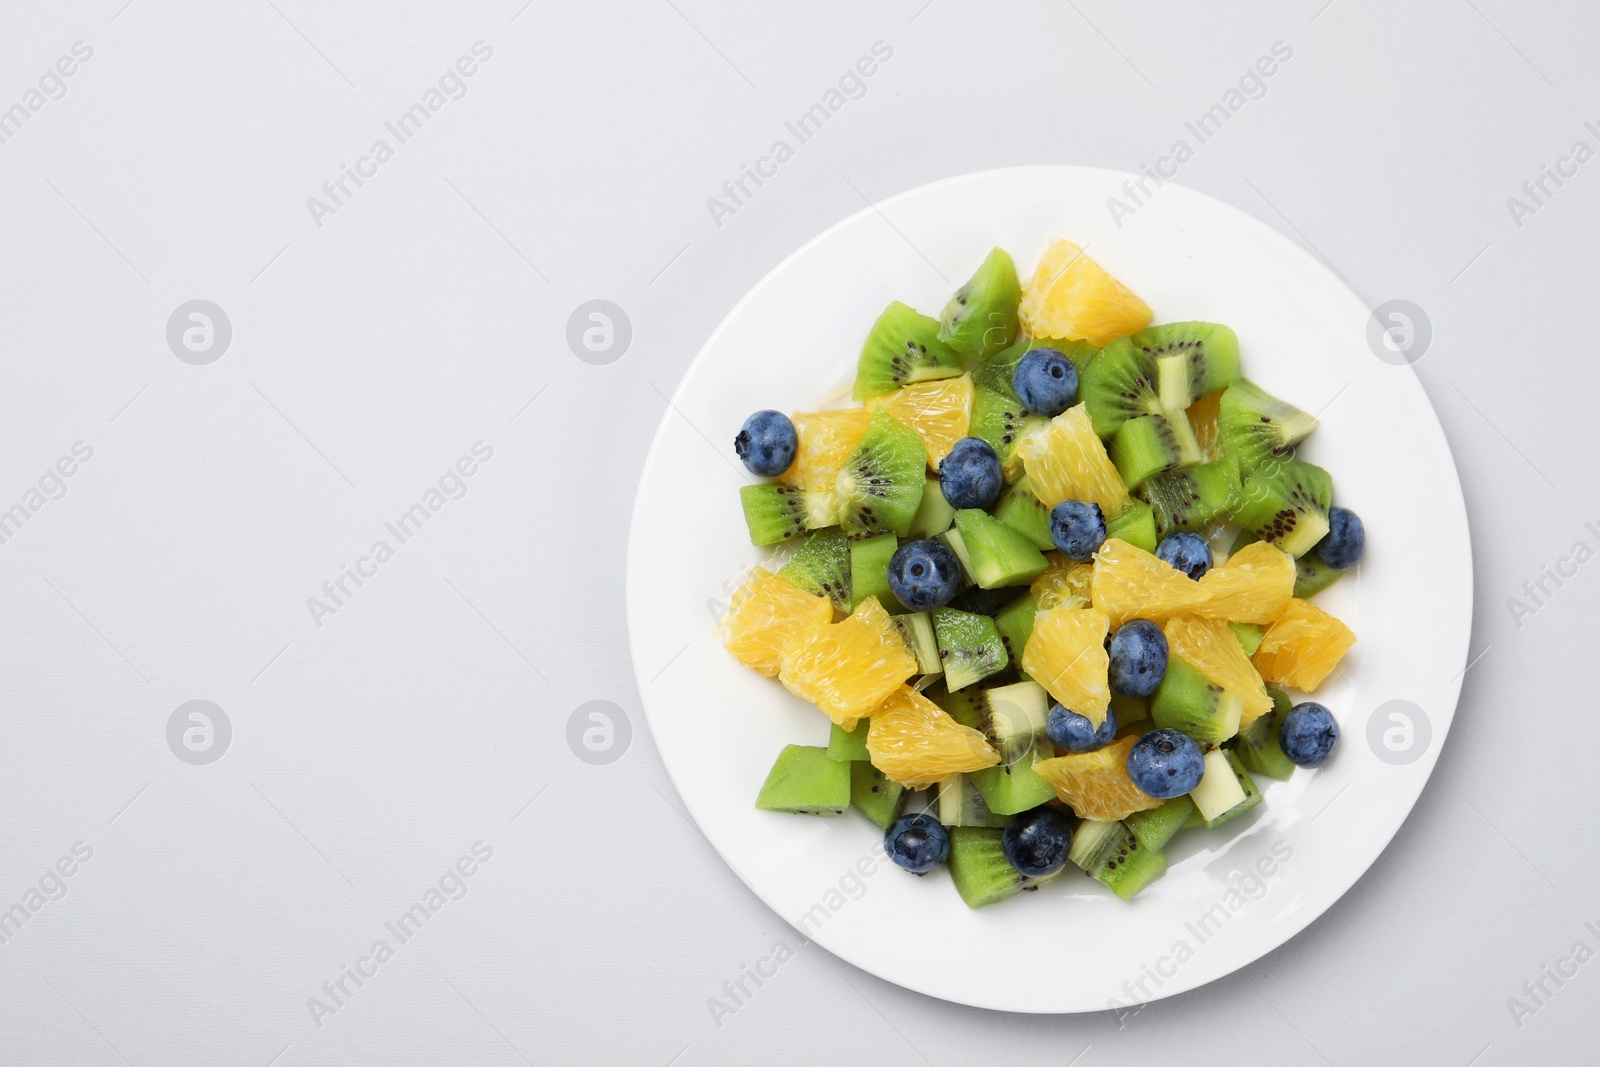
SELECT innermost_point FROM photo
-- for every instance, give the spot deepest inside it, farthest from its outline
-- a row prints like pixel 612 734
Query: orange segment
pixel 916 743
pixel 1210 647
pixel 1062 581
pixel 826 440
pixel 1067 655
pixel 1096 784
pixel 849 668
pixel 1130 583
pixel 1253 586
pixel 1302 647
pixel 768 616
pixel 939 411
pixel 1071 296
pixel 1067 461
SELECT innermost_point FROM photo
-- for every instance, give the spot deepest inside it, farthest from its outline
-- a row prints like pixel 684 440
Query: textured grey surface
pixel 371 352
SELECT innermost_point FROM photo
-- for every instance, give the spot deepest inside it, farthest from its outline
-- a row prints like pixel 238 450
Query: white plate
pixel 1071 946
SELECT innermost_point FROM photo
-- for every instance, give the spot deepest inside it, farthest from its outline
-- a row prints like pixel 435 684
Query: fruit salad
pixel 1049 579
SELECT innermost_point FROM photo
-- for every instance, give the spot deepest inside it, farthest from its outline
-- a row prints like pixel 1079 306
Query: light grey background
pixel 431 311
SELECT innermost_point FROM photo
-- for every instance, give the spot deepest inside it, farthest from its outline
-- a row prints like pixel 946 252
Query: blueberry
pixel 924 575
pixel 1186 551
pixel 1046 382
pixel 1078 529
pixel 1308 734
pixel 1346 540
pixel 1138 658
pixel 1165 764
pixel 1072 732
pixel 917 842
pixel 767 443
pixel 1036 842
pixel 970 474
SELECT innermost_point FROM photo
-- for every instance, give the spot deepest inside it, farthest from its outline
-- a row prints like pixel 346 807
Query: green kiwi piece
pixel 1155 827
pixel 903 347
pixel 1285 502
pixel 1249 636
pixel 996 554
pixel 1192 499
pixel 1002 421
pixel 981 319
pixel 805 781
pixel 874 795
pixel 1130 872
pixel 777 513
pixel 917 629
pixel 869 571
pixel 1191 359
pixel 1149 444
pixel 1119 384
pixel 1012 719
pixel 1015 624
pixel 1258 748
pixel 846 746
pixel 1113 855
pixel 933 514
pixel 1131 713
pixel 1095 841
pixel 1135 524
pixel 1188 701
pixel 1247 785
pixel 980 870
pixel 970 647
pixel 1253 425
pixel 990 602
pixel 1312 576
pixel 960 804
pixel 881 483
pixel 821 566
pixel 1019 509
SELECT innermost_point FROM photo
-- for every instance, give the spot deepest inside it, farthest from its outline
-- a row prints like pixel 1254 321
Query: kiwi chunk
pixel 1002 421
pixel 1149 444
pixel 960 804
pixel 1113 855
pixel 933 514
pixel 1285 502
pixel 805 781
pixel 1130 711
pixel 903 346
pixel 1246 785
pixel 917 629
pixel 881 483
pixel 1120 384
pixel 1190 702
pixel 1013 719
pixel 1312 576
pixel 1129 873
pixel 1015 624
pixel 981 319
pixel 1253 425
pixel 1154 827
pixel 1196 358
pixel 846 746
pixel 980 870
pixel 1095 841
pixel 1019 509
pixel 1258 748
pixel 996 554
pixel 821 566
pixel 1249 636
pixel 1219 789
pixel 777 513
pixel 869 571
pixel 874 795
pixel 1135 524
pixel 1193 499
pixel 970 647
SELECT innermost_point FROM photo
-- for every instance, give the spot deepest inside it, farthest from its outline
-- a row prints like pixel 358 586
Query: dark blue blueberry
pixel 1073 733
pixel 1078 529
pixel 1165 764
pixel 1186 551
pixel 1346 540
pixel 1138 658
pixel 1046 382
pixel 767 443
pixel 917 842
pixel 1308 734
pixel 970 475
pixel 1036 842
pixel 924 575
